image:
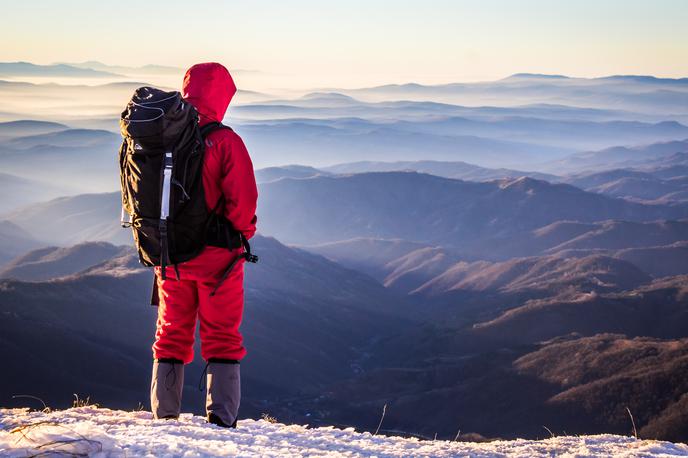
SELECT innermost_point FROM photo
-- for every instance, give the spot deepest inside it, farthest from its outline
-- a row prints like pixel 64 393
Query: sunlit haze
pixel 308 43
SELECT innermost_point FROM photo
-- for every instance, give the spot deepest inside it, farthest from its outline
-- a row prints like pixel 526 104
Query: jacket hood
pixel 209 87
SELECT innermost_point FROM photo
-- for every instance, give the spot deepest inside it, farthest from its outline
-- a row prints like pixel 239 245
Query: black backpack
pixel 161 163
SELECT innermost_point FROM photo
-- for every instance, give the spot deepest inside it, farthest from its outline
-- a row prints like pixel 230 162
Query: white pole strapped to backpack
pixel 165 212
pixel 166 181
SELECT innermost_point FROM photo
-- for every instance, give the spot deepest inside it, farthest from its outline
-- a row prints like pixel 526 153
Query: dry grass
pixel 83 402
pixel 267 417
pixel 58 447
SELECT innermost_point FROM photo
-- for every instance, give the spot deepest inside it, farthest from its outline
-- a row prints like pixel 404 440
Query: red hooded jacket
pixel 227 169
pixel 228 173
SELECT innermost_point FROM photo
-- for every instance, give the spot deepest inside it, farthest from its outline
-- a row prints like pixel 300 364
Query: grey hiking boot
pixel 166 388
pixel 224 392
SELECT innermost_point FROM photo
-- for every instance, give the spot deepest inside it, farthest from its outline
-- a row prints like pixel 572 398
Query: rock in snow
pixel 97 432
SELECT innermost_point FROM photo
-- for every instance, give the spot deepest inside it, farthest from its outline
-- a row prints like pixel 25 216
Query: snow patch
pixel 97 432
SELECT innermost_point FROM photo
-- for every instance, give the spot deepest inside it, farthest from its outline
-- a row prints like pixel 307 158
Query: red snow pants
pixel 185 300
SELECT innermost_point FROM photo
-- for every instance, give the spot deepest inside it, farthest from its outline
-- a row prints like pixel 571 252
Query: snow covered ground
pixel 90 431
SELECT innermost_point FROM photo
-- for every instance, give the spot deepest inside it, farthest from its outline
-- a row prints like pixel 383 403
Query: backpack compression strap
pixel 245 254
pixel 211 126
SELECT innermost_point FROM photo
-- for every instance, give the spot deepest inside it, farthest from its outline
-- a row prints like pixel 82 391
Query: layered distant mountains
pixel 414 310
pixel 54 262
pixel 83 160
pixel 416 207
pixel 313 306
pixel 458 170
pixel 486 257
pixel 637 93
pixel 650 177
pixel 431 209
pixel 15 241
pixel 531 122
pixel 434 271
pixel 99 316
pixel 41 160
pixel 24 69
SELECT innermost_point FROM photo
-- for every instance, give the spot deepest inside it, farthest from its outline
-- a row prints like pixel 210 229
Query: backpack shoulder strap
pixel 213 126
pixel 206 130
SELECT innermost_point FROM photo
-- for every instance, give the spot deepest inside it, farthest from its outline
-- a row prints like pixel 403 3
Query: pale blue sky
pixel 354 43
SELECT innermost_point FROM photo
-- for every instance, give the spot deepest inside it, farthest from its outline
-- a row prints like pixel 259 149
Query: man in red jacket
pixel 228 175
